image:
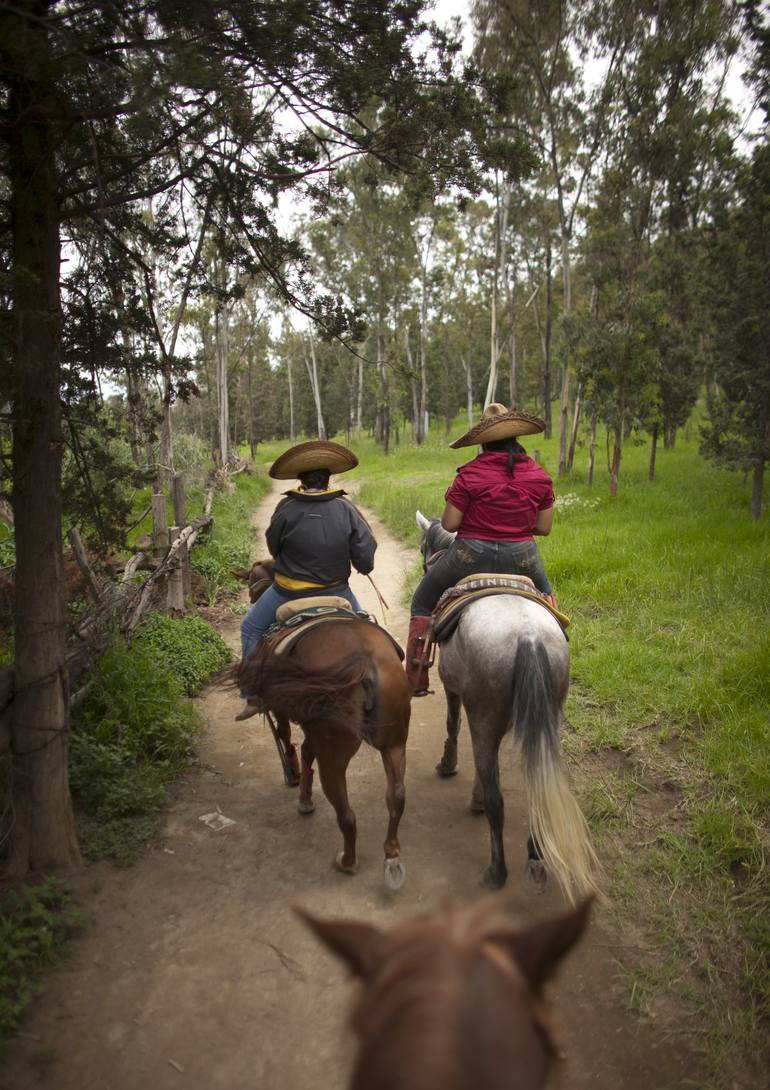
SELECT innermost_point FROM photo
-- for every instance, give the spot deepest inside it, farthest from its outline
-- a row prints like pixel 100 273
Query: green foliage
pixel 35 921
pixel 7 544
pixel 99 478
pixel 134 733
pixel 188 648
pixel 230 545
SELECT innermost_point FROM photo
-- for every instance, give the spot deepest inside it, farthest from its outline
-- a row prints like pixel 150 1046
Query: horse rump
pixel 292 686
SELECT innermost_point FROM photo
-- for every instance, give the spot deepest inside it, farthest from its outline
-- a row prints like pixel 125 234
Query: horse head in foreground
pixel 507 663
pixel 453 1000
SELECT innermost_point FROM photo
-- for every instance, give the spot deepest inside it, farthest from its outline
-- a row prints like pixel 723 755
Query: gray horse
pixel 507 663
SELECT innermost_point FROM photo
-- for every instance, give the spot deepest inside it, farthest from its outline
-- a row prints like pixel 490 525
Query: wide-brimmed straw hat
pixel 498 422
pixel 317 454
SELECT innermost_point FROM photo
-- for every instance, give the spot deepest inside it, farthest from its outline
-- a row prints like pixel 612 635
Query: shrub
pixel 189 649
pixel 134 733
pixel 34 922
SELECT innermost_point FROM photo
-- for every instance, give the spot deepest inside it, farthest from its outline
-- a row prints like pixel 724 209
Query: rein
pixel 383 604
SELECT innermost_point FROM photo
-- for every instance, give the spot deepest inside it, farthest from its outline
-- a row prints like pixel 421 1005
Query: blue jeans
pixel 262 613
pixel 471 554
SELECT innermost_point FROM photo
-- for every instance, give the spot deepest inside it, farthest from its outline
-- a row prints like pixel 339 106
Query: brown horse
pixel 343 683
pixel 453 1000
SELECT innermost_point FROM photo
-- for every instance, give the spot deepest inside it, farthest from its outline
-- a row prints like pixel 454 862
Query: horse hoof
pixel 344 867
pixel 537 876
pixel 305 807
pixel 476 806
pixel 445 771
pixel 395 873
pixel 495 879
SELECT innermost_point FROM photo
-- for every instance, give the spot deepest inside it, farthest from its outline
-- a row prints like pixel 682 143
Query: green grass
pixel 229 545
pixel 668 587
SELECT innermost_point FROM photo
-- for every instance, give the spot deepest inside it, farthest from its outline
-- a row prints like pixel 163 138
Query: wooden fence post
pixel 179 500
pixel 159 526
pixel 175 589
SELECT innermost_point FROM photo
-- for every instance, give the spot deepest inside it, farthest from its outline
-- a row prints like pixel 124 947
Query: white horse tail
pixel 557 824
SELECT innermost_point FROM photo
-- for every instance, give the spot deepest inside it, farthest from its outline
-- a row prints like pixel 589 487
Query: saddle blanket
pixel 452 602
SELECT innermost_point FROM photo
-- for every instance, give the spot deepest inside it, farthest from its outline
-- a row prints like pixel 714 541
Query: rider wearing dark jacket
pixel 315 536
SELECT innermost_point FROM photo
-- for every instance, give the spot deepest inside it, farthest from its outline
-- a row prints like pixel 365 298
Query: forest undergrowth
pixel 667 727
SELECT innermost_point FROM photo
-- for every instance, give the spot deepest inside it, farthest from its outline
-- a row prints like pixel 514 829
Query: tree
pixel 738 430
pixel 105 105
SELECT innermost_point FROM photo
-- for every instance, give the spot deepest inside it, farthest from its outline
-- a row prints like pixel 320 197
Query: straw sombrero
pixel 497 422
pixel 317 454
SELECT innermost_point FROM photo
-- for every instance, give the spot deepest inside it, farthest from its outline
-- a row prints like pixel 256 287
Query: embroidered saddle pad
pixel 452 602
pixel 295 619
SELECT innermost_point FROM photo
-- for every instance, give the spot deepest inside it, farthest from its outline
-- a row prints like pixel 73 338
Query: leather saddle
pixel 295 619
pixel 479 585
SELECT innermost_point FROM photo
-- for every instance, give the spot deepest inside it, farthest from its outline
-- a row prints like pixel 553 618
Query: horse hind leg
pixel 291 765
pixel 332 767
pixel 305 804
pixel 488 773
pixel 394 763
pixel 535 871
pixel 447 766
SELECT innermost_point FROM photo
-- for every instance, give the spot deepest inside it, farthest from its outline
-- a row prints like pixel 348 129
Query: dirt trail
pixel 194 973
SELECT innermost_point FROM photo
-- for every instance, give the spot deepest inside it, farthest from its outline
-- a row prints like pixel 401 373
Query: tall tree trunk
pixel 617 435
pixel 513 379
pixel 223 403
pixel 547 343
pixel 468 390
pixel 383 409
pixel 311 363
pixel 761 455
pixel 653 451
pixel 292 431
pixel 565 380
pixel 43 834
pixel 574 429
pixel 250 402
pixel 592 450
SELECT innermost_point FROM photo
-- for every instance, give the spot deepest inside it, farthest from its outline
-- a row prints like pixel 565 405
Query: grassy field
pixel 669 592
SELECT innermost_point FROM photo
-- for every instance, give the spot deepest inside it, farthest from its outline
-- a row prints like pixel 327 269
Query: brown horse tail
pixel 300 692
pixel 558 826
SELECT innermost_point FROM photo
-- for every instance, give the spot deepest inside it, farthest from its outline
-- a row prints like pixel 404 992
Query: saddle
pixel 453 601
pixel 295 619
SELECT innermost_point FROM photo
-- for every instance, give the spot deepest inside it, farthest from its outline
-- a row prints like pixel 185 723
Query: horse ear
pixel 422 522
pixel 359 945
pixel 539 949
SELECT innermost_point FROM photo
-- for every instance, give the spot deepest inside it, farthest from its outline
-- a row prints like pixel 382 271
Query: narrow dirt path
pixel 194 973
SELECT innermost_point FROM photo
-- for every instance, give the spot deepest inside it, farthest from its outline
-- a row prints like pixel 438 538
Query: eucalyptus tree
pixel 104 105
pixel 737 433
pixel 545 45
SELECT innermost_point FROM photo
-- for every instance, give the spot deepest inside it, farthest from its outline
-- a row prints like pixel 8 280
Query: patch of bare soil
pixel 195 973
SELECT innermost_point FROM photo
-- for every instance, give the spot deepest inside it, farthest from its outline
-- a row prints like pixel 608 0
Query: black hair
pixel 315 478
pixel 511 446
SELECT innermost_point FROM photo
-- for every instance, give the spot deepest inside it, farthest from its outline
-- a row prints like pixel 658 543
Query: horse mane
pixel 289 685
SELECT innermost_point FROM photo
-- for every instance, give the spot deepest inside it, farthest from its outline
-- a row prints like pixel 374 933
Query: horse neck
pixel 454 1023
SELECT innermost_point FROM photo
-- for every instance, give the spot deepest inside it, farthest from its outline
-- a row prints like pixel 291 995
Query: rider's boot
pixel 415 663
